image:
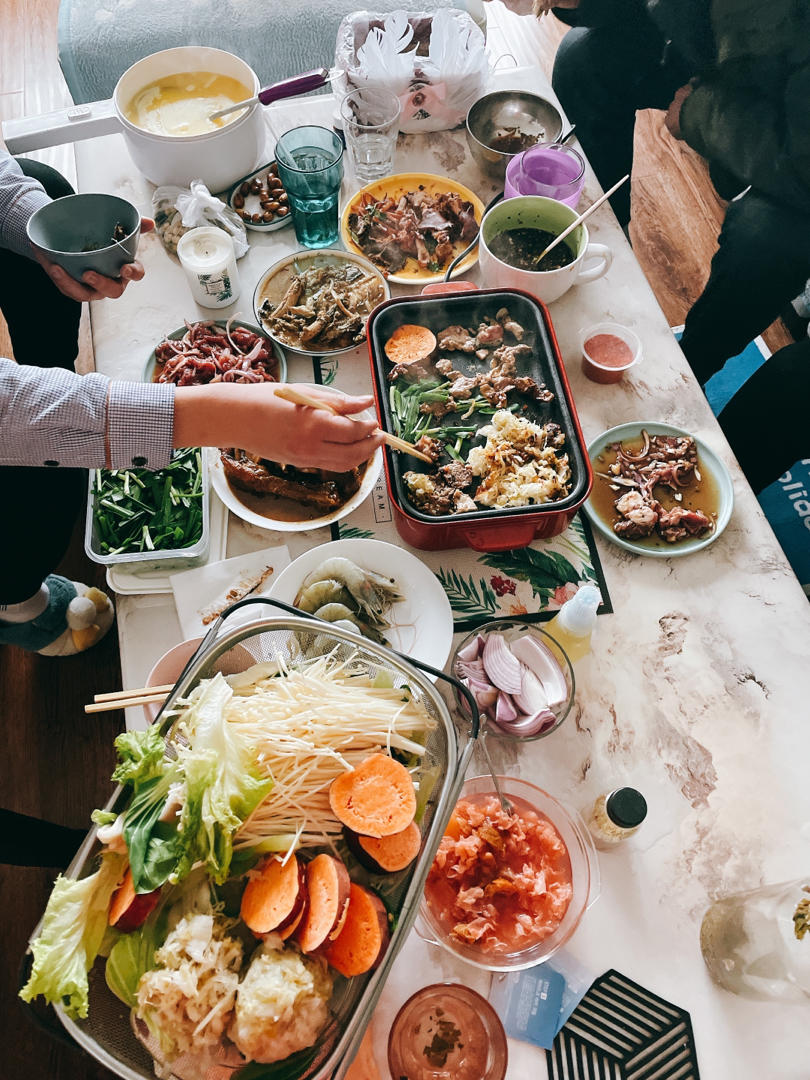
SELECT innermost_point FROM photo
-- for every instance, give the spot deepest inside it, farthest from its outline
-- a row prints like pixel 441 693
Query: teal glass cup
pixel 310 165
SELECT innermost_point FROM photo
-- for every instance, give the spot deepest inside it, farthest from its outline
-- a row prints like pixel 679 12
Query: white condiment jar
pixel 207 256
pixel 615 816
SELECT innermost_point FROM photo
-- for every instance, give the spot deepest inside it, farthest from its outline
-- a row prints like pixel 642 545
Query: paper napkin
pixel 201 594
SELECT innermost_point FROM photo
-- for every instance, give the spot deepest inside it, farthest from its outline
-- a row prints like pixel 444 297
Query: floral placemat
pixel 532 582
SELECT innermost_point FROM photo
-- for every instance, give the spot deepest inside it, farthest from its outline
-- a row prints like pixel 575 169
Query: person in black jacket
pixel 734 78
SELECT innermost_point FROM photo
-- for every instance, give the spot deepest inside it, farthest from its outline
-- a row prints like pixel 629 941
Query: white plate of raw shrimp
pixel 387 589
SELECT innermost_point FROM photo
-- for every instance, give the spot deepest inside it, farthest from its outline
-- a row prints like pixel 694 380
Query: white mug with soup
pixel 533 216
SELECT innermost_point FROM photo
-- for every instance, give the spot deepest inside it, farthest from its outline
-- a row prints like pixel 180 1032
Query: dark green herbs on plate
pixel 139 510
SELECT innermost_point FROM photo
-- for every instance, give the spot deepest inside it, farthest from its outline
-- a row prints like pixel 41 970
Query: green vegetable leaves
pixel 130 957
pixel 183 812
pixel 140 755
pixel 214 782
pixel 137 510
pixel 72 932
pixel 223 783
pixel 155 847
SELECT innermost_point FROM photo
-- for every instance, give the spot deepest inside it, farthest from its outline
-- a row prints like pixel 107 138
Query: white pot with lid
pixel 216 157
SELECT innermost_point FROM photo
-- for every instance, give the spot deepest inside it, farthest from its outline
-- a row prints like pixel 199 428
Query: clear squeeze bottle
pixel 574 623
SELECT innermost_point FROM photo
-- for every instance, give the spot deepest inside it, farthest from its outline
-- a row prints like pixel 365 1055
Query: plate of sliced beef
pixel 411 226
pixel 658 490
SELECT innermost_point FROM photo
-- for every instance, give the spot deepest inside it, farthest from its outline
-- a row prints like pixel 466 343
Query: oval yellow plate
pixel 395 186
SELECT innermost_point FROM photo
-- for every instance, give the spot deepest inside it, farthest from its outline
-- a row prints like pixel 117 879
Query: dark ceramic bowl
pixel 76 232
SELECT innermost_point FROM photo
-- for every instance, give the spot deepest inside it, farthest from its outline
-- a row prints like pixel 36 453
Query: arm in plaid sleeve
pixel 20 196
pixel 53 417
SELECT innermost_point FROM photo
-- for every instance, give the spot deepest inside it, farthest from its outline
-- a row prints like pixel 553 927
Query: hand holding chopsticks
pixel 578 221
pixel 298 397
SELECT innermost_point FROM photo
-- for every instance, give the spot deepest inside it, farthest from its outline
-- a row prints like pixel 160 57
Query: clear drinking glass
pixel 553 170
pixel 371 124
pixel 754 945
pixel 310 165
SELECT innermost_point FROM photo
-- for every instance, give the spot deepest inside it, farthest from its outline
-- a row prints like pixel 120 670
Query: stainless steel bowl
pixel 506 109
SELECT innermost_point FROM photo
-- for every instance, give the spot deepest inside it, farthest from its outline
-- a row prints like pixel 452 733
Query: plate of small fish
pixel 376 589
pixel 317 303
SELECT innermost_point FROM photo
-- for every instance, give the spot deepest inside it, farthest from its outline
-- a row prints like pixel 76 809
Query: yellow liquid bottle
pixel 574 623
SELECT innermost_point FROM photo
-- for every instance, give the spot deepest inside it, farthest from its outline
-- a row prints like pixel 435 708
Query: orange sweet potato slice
pixel 410 343
pixel 274 895
pixel 293 925
pixel 362 941
pixel 375 799
pixel 328 890
pixel 128 909
pixel 392 853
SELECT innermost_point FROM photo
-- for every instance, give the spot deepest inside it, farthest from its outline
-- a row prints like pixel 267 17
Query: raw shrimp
pixel 323 643
pixel 326 591
pixel 336 612
pixel 373 592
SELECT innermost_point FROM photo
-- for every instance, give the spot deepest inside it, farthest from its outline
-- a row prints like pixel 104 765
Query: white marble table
pixel 697 689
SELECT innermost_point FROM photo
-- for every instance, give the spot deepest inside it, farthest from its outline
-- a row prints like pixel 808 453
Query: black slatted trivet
pixel 620 1031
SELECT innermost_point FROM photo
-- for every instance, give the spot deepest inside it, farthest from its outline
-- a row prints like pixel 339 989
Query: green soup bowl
pixel 590 260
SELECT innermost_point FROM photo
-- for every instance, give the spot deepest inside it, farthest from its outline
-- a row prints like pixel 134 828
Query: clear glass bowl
pixel 512 629
pixel 476 1044
pixel 584 879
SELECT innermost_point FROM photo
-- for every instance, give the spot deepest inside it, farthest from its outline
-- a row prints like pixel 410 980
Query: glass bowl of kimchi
pixel 505 891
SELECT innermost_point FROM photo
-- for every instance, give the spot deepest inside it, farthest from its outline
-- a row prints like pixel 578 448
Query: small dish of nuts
pixel 260 200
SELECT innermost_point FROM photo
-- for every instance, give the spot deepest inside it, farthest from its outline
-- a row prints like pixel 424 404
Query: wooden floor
pixel 56 763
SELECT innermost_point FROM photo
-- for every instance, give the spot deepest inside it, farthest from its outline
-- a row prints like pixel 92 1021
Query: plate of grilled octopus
pixel 286 498
pixel 658 490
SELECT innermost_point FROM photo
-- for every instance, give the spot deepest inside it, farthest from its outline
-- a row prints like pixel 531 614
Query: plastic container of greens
pixel 159 557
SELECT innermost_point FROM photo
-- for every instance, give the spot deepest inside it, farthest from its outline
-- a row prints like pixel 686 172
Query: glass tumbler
pixel 310 165
pixel 553 170
pixel 371 124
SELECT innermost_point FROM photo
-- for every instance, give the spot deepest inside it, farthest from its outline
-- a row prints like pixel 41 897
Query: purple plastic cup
pixel 553 170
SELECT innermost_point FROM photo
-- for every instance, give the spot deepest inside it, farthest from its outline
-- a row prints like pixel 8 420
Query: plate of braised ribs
pixel 658 490
pixel 286 498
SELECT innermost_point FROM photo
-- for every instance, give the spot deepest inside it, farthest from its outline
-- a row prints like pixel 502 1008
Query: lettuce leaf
pixel 141 756
pixel 131 956
pixel 223 781
pixel 218 781
pixel 72 932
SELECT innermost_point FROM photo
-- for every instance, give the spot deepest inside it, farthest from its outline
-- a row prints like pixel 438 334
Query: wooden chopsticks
pixel 125 699
pixel 297 397
pixel 578 221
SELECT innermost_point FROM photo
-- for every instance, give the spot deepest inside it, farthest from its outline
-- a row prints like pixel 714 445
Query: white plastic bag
pixel 177 210
pixel 436 63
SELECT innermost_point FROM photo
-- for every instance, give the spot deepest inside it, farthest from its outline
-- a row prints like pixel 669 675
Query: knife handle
pixel 298 84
